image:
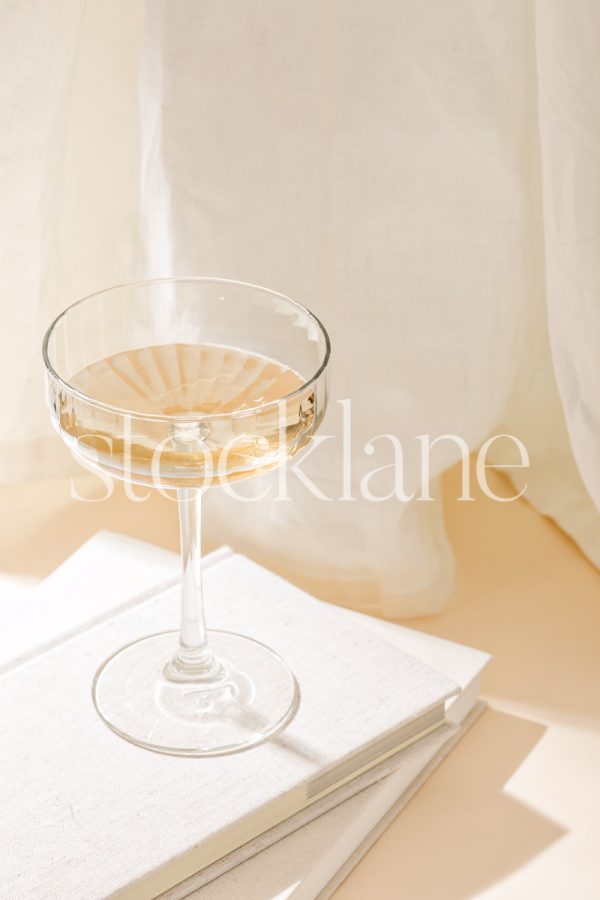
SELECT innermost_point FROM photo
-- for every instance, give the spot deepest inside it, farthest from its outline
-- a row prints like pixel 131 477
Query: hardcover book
pixel 138 823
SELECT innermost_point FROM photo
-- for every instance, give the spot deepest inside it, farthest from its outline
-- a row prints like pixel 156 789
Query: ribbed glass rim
pixel 252 411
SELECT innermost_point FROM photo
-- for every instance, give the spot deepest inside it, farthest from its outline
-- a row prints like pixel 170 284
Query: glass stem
pixel 194 660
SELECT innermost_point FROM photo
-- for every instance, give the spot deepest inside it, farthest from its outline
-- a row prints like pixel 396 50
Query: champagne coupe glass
pixel 184 383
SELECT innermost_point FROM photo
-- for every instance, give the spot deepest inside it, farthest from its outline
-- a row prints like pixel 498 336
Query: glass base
pixel 253 696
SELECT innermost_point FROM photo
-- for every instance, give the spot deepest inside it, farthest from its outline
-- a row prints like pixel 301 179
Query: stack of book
pixel 86 814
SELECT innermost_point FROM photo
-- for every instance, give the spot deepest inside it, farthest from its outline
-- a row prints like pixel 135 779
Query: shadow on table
pixel 462 832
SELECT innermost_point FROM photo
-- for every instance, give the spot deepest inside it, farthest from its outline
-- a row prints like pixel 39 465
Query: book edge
pixel 383 771
pixel 362 849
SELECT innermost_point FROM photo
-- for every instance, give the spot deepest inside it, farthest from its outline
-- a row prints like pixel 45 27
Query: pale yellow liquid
pixel 185 382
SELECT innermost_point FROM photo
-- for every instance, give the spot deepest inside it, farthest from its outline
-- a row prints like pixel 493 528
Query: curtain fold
pixel 569 114
pixel 69 151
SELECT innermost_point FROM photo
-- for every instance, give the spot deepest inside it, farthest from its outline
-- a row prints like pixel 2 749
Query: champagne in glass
pixel 185 383
pixel 175 382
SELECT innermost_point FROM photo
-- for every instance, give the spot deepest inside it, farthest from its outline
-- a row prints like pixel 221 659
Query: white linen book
pixel 131 821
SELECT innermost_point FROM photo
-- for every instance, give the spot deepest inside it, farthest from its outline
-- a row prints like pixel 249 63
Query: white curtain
pixel 424 176
pixel 69 151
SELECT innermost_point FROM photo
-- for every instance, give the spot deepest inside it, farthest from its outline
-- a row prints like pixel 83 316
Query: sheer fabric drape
pixel 424 176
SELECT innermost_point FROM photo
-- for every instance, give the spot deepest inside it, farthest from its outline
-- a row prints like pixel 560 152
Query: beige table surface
pixel 514 812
